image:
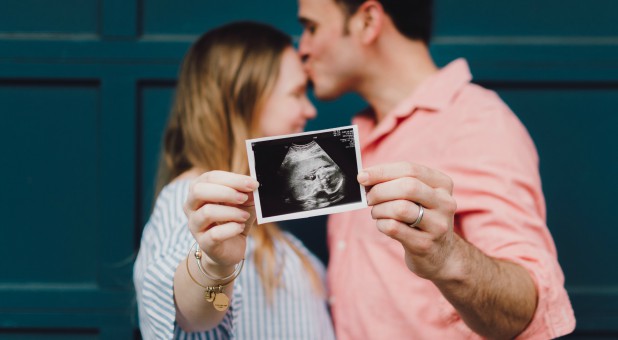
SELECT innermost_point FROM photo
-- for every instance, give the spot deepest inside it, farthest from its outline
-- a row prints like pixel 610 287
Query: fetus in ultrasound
pixel 311 179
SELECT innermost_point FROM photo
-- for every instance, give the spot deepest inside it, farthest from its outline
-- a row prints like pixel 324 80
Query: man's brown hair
pixel 412 18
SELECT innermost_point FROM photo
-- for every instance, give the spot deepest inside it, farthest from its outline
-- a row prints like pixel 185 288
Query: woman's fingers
pixel 220 187
pixel 222 232
pixel 224 244
pixel 219 207
pixel 239 182
pixel 201 193
pixel 210 214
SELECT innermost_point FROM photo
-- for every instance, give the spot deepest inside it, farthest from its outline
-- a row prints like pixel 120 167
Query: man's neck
pixel 396 73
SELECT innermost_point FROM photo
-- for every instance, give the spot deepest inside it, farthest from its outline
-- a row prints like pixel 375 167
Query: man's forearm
pixel 495 298
pixel 414 205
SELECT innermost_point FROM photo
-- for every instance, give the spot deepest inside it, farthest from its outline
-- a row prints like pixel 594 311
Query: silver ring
pixel 421 211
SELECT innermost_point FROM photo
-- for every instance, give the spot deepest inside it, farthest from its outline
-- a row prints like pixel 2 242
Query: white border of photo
pixel 315 212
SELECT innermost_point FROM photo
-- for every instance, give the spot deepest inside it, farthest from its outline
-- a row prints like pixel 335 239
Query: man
pixel 471 218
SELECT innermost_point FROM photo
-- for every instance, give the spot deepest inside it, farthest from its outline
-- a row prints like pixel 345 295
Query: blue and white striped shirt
pixel 296 312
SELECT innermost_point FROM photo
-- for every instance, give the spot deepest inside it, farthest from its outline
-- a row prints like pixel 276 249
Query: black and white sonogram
pixel 306 174
pixel 311 179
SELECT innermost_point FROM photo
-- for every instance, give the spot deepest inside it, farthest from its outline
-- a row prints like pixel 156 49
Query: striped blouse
pixel 296 312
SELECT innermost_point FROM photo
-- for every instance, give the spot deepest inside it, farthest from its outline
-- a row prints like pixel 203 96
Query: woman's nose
pixel 309 111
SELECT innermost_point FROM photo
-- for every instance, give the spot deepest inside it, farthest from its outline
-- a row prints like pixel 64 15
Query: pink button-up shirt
pixel 468 133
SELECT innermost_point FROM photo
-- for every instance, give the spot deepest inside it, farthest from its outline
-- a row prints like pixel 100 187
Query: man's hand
pixel 495 298
pixel 396 191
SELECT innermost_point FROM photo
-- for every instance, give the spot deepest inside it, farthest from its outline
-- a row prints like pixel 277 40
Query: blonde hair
pixel 225 77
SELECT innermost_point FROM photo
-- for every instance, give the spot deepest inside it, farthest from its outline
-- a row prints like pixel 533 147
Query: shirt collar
pixel 437 91
pixel 434 94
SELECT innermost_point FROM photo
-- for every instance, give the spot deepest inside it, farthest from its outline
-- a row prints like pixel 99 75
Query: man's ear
pixel 368 21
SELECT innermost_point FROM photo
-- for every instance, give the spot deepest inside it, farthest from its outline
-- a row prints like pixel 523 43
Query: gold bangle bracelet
pixel 213 294
pixel 198 259
pixel 210 288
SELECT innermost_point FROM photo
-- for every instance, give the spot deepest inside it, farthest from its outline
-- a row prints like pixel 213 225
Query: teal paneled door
pixel 86 85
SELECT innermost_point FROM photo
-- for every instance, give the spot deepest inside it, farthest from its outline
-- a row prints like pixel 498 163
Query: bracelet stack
pixel 213 293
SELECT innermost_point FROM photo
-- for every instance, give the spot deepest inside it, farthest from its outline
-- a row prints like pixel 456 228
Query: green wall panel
pixel 156 100
pixel 547 18
pixel 167 17
pixel 40 16
pixel 48 334
pixel 50 194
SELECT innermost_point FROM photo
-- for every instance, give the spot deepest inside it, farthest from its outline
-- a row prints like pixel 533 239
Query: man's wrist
pixel 456 269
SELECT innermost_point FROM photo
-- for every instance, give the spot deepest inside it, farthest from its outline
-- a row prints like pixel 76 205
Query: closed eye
pixel 309 26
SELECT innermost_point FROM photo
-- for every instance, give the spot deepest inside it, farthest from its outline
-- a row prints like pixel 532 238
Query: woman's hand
pixel 221 211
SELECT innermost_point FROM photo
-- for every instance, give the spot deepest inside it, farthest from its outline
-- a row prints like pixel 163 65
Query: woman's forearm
pixel 193 311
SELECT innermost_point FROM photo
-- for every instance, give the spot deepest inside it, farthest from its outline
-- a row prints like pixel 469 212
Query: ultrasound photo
pixel 306 174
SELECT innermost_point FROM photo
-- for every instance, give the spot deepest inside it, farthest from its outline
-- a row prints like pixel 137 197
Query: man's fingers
pixel 400 210
pixel 407 188
pixel 388 172
pixel 415 241
pixel 406 212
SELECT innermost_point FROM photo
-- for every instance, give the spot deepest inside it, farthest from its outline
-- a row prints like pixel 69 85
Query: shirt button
pixel 341 245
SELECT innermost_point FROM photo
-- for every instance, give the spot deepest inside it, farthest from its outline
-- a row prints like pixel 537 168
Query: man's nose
pixel 303 48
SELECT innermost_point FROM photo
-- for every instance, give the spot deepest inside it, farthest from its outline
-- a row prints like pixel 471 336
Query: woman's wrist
pixel 210 269
pixel 216 270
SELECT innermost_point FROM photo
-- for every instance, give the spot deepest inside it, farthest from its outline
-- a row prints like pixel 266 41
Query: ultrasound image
pixel 306 172
pixel 312 179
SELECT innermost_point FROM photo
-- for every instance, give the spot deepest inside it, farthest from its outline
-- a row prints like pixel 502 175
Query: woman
pixel 240 81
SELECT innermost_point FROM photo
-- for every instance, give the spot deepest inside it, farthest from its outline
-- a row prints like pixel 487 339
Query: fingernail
pixel 252 184
pixel 246 215
pixel 241 197
pixel 363 177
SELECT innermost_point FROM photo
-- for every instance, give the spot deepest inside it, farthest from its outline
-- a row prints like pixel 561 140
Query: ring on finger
pixel 421 212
